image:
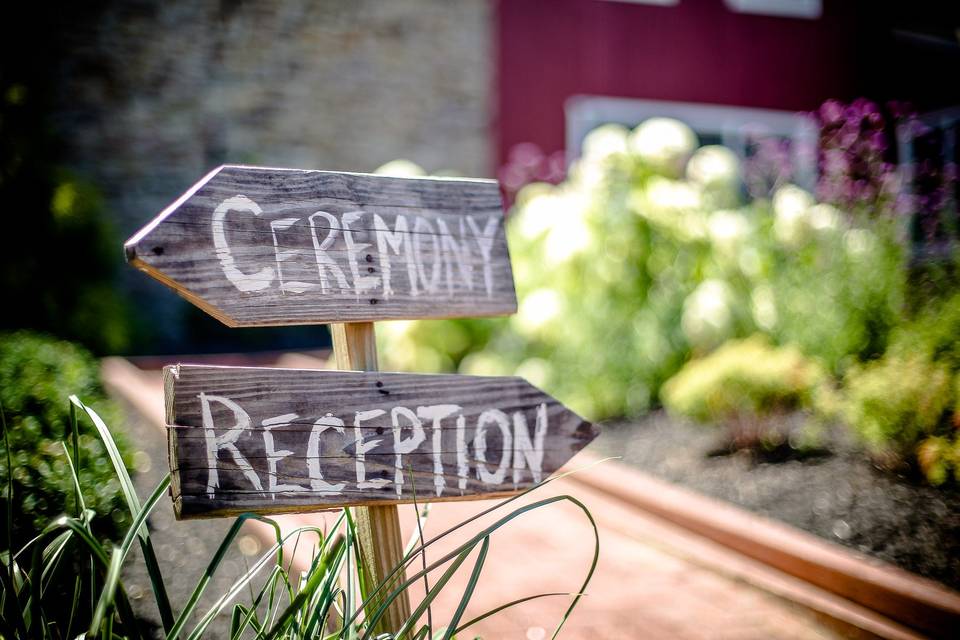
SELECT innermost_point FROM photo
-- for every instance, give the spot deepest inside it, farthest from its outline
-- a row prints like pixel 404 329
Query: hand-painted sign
pixel 282 440
pixel 255 246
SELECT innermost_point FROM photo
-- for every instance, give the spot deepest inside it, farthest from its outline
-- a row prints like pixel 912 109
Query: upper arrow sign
pixel 281 440
pixel 255 246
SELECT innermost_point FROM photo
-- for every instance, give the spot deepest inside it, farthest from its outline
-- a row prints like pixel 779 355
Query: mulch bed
pixel 834 492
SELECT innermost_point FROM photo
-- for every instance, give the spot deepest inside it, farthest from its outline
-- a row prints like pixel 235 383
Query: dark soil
pixel 834 492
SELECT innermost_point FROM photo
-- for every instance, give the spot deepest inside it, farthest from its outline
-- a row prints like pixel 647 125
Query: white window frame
pixel 733 125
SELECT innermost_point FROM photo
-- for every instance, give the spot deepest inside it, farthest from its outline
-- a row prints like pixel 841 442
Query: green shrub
pixel 934 334
pixel 905 405
pixel 37 374
pixel 895 402
pixel 743 379
pixel 646 256
pixel 939 459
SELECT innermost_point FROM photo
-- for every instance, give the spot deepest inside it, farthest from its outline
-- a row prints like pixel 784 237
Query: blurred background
pixel 734 223
pixel 112 110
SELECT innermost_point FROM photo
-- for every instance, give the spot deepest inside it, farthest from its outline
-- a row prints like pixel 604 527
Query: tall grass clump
pixel 333 598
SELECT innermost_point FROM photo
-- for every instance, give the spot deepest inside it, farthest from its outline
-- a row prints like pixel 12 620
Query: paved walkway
pixel 652 580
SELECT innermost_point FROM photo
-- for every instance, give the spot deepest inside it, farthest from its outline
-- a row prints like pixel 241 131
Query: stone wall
pixel 155 94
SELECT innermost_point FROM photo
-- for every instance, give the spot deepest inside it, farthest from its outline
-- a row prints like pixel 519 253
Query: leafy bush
pixel 906 404
pixel 647 256
pixel 895 402
pixel 934 334
pixel 743 378
pixel 35 374
pixel 939 459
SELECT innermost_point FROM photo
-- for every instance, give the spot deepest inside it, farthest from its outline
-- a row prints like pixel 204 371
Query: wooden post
pixel 378 527
pixel 213 246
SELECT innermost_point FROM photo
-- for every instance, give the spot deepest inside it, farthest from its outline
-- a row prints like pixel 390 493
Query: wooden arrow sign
pixel 255 246
pixel 284 440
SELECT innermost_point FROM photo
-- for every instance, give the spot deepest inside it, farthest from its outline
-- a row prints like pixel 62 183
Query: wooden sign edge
pixel 226 512
pixel 130 251
pixel 171 373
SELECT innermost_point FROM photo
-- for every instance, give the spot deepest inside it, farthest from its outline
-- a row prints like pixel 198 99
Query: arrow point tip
pixel 587 431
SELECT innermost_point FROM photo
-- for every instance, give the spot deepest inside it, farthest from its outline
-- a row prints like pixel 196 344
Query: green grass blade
pixel 9 573
pixel 353 551
pixel 99 557
pixel 80 503
pixel 133 504
pixel 239 585
pixel 328 594
pixel 214 563
pixel 110 582
pixel 249 619
pixel 75 432
pixel 51 559
pixel 593 564
pixel 317 574
pixel 141 517
pixel 486 532
pixel 512 603
pixel 126 484
pixel 77 582
pixel 35 623
pixel 423 556
pixel 428 598
pixel 468 591
pixel 408 557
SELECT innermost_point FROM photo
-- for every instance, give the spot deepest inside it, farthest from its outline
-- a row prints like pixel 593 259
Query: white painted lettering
pixel 325 262
pixel 402 446
pixel 456 255
pixel 423 231
pixel 283 254
pixel 317 483
pixel 480 446
pixel 226 440
pixel 525 451
pixel 485 238
pixel 361 448
pixel 354 248
pixel 436 413
pixel 387 240
pixel 243 281
pixel 274 456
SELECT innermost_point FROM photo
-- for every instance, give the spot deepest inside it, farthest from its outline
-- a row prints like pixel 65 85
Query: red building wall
pixel 697 51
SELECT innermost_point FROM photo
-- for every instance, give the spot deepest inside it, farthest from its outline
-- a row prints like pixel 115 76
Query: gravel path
pixel 840 496
pixel 183 548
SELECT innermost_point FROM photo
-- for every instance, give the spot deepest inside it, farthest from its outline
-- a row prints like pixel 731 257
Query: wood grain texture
pixel 448 462
pixel 256 247
pixel 378 526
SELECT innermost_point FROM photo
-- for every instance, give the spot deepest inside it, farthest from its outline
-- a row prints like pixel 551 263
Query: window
pixel 735 127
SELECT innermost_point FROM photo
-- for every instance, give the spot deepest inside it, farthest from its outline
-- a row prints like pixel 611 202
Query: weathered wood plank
pixel 255 246
pixel 378 526
pixel 282 440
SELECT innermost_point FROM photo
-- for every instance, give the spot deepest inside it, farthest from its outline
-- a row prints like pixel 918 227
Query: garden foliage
pixel 653 253
pixel 907 404
pixel 649 255
pixel 744 379
pixel 35 371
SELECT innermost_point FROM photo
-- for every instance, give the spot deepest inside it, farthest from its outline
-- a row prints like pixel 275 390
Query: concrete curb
pixel 909 599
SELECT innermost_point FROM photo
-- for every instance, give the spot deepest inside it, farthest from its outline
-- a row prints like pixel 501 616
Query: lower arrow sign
pixel 284 440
